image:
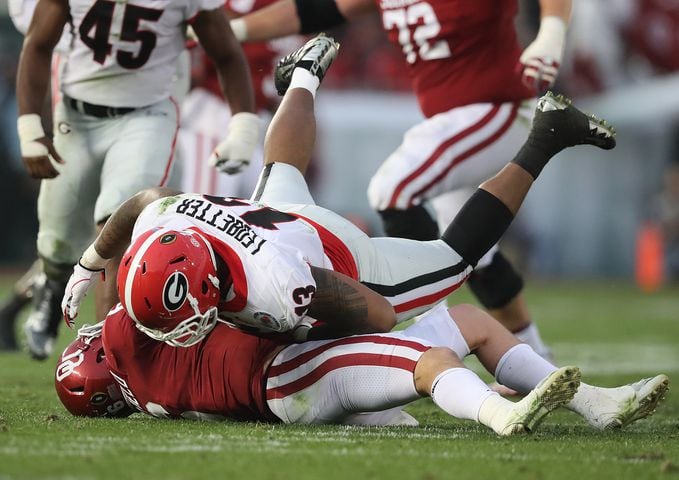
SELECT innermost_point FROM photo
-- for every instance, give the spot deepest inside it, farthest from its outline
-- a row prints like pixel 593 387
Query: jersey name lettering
pixel 214 216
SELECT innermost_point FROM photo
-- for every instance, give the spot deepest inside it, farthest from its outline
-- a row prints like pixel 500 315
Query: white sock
pixel 531 336
pixel 460 392
pixel 521 369
pixel 303 78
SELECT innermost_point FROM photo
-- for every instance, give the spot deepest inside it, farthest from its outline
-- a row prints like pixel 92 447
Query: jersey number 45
pixel 95 30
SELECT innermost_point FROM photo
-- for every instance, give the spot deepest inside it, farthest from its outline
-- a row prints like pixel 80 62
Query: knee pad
pixel 414 223
pixel 496 284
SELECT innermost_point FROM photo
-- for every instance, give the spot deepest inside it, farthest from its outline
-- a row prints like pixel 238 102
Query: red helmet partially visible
pixel 167 283
pixel 84 383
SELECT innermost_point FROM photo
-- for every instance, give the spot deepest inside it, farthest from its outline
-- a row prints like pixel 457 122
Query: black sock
pixel 539 148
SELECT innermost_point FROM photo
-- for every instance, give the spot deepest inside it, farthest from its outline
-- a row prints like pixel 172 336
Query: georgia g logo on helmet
pixel 175 290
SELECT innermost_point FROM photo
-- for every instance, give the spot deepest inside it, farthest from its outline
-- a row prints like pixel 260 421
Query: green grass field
pixel 615 334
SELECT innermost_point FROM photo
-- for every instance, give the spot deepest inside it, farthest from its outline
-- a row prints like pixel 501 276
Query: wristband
pixel 91 260
pixel 239 29
pixel 552 32
pixel 29 127
pixel 301 332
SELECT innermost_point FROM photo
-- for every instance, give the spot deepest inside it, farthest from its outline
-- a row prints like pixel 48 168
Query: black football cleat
pixel 559 122
pixel 11 307
pixel 42 325
pixel 316 56
pixel 9 311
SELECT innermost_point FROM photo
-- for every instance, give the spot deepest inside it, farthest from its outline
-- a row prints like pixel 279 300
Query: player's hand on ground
pixel 76 289
pixel 235 152
pixel 39 163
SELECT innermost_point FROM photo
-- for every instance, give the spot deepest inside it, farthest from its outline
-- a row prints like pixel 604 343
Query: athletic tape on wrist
pixel 29 127
pixel 239 28
pixel 91 260
pixel 552 31
pixel 245 125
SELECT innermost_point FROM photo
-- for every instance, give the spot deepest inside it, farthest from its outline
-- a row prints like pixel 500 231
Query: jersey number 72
pixel 427 26
pixel 99 19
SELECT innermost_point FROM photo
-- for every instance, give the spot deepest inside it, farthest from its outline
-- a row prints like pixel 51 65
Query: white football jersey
pixel 268 252
pixel 124 53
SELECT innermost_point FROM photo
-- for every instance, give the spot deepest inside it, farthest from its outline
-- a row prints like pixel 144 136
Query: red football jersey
pixel 458 52
pixel 222 376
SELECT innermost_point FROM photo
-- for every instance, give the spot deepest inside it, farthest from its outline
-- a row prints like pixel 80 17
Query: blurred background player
pixel 205 115
pixel 475 86
pixel 116 124
pixel 21 13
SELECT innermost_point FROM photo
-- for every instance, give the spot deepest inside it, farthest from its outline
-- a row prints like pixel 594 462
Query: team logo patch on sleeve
pixel 175 291
pixel 267 320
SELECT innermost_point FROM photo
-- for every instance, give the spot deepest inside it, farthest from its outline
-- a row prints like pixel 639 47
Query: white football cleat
pixel 555 391
pixel 618 407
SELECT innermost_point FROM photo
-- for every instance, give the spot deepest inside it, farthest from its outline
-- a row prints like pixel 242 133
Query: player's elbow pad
pixel 317 15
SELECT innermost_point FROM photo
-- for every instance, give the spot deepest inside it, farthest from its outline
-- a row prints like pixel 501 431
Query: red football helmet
pixel 167 283
pixel 84 383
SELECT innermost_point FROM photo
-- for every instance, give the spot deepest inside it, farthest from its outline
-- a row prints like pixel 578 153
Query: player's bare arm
pixel 347 307
pixel 234 153
pixel 560 8
pixel 215 36
pixel 289 17
pixel 110 243
pixel 32 81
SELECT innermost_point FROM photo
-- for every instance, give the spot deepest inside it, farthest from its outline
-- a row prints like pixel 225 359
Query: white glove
pixel 540 61
pixel 234 153
pixel 76 289
pixel 90 264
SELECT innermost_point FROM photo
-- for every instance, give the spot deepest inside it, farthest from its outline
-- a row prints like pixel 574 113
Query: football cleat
pixel 555 391
pixel 556 115
pixel 12 306
pixel 316 56
pixel 618 407
pixel 42 324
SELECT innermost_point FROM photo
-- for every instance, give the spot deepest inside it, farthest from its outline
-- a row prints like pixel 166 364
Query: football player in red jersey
pixel 361 379
pixel 278 261
pixel 475 86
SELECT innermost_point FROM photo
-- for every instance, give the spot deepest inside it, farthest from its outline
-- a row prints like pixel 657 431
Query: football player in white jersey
pixel 115 126
pixel 277 262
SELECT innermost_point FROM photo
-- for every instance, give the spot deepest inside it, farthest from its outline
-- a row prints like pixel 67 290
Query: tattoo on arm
pixel 337 300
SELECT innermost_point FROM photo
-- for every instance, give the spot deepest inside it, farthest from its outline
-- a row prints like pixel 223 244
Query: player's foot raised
pixel 555 391
pixel 624 405
pixel 557 119
pixel 316 56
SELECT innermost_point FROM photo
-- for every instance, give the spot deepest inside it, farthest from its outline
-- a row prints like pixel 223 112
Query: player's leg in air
pixel 412 275
pixel 422 185
pixel 425 360
pixel 290 138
